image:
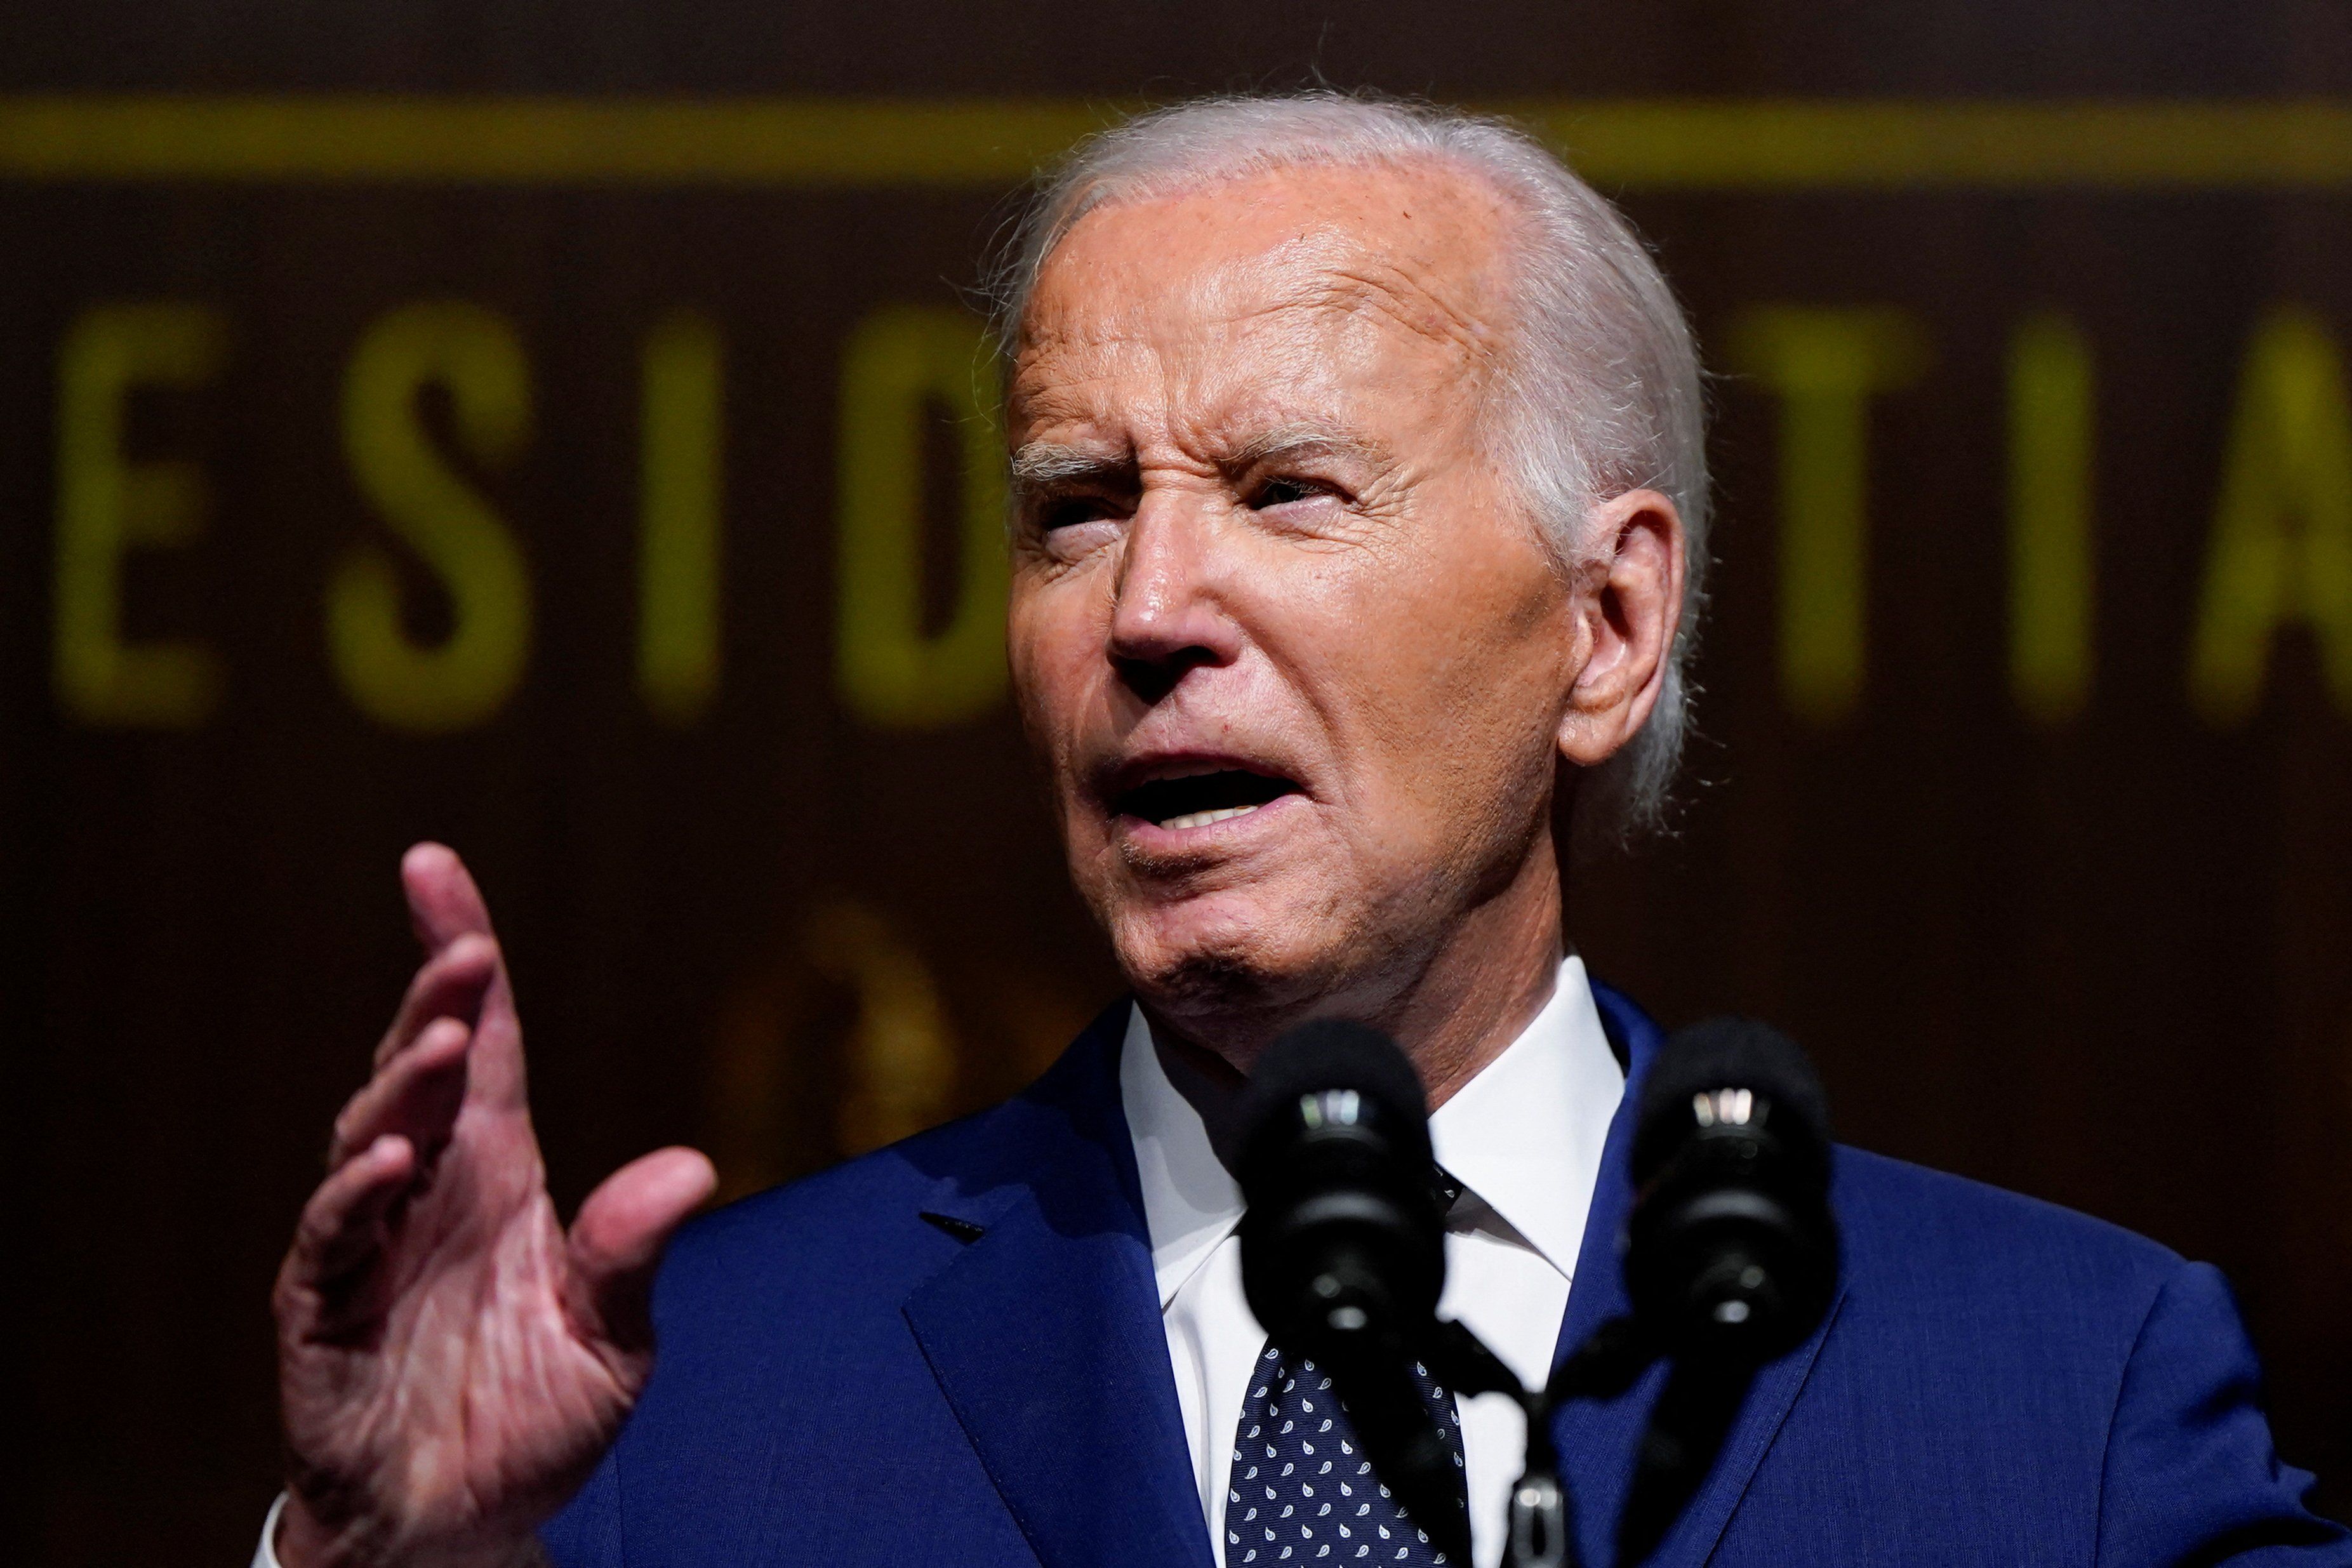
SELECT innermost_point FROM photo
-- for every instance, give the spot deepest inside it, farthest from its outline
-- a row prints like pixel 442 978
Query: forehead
pixel 1278 283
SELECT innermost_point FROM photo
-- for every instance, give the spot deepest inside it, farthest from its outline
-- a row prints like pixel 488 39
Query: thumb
pixel 618 1241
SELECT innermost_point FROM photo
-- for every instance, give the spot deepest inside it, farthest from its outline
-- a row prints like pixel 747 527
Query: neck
pixel 1482 988
pixel 1454 1005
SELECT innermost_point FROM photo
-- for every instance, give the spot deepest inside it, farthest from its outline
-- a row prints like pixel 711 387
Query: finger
pixel 449 984
pixel 342 1229
pixel 446 905
pixel 618 1240
pixel 416 1095
pixel 443 900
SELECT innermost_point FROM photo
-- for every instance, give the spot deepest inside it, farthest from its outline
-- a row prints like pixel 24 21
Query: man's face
pixel 1293 651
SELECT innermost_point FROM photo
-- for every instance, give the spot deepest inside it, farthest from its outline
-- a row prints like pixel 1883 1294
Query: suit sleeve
pixel 2191 1475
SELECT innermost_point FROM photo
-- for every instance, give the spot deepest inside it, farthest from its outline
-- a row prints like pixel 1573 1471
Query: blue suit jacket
pixel 950 1352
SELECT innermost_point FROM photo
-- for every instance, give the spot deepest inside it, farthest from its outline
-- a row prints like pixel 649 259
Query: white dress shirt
pixel 1523 1139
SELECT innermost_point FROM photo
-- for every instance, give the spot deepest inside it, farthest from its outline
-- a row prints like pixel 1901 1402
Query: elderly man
pixel 1357 460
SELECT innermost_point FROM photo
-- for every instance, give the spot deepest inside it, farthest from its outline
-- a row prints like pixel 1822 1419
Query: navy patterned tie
pixel 1302 1490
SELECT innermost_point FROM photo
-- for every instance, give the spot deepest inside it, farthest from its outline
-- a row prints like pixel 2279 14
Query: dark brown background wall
pixel 2091 947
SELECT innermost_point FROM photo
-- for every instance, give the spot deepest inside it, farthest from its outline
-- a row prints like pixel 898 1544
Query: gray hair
pixel 1601 391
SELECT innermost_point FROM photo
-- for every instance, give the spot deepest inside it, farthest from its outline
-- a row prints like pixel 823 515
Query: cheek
pixel 1461 676
pixel 1051 656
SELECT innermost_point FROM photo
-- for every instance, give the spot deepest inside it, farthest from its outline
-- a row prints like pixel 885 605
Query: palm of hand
pixel 451 1364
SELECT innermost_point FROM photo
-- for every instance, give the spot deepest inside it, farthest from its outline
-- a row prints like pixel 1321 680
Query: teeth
pixel 1202 819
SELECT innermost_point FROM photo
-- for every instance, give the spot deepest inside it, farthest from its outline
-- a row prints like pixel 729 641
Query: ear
pixel 1628 604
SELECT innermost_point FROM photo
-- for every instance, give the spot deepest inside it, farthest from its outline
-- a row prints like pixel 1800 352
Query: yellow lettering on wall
pixel 900 362
pixel 2052 563
pixel 681 489
pixel 2281 547
pixel 476 358
pixel 108 504
pixel 1823 363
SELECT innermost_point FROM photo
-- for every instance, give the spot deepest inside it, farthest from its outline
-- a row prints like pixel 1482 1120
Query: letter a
pixel 2281 547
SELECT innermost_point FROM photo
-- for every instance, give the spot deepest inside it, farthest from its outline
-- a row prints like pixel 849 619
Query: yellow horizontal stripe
pixel 1663 143
pixel 537 141
pixel 1793 145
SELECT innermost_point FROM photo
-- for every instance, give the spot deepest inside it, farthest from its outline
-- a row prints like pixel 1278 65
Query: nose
pixel 1168 617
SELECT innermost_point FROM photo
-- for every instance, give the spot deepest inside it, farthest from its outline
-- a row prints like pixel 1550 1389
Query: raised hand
pixel 451 1364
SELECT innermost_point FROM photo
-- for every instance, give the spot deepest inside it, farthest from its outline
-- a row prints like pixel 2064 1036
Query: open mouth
pixel 1199 799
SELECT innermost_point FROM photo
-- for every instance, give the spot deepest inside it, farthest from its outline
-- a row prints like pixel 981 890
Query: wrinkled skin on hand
pixel 452 1362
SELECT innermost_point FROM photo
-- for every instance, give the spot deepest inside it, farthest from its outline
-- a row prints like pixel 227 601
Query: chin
pixel 1226 970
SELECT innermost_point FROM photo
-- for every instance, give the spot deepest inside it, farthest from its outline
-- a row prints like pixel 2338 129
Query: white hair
pixel 1599 392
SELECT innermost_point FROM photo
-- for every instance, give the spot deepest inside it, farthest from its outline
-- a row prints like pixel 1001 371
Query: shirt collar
pixel 1190 1201
pixel 1525 1136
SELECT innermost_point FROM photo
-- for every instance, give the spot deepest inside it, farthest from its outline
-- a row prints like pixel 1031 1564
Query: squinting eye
pixel 1282 492
pixel 1071 511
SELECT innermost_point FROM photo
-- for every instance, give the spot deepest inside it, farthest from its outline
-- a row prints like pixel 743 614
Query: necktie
pixel 1301 1490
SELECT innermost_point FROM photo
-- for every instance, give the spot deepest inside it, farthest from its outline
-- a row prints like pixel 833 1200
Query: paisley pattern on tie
pixel 1302 1490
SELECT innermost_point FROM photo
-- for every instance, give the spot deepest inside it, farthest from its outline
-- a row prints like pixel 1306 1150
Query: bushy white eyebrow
pixel 1039 465
pixel 1301 440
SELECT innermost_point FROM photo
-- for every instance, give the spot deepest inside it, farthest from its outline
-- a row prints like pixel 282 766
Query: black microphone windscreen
pixel 1343 1245
pixel 1337 1054
pixel 1726 1053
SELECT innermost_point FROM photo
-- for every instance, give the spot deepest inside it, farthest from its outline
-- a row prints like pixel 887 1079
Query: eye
pixel 1285 489
pixel 1054 513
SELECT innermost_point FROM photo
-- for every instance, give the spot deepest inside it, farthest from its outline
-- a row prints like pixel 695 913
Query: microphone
pixel 1343 1245
pixel 1732 1254
pixel 1731 1251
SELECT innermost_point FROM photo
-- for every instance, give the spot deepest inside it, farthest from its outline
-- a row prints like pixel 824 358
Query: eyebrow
pixel 1040 465
pixel 1302 440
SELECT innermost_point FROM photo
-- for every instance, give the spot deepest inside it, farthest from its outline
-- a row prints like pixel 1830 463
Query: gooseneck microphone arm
pixel 1406 1450
pixel 1731 1251
pixel 1540 1524
pixel 1343 1248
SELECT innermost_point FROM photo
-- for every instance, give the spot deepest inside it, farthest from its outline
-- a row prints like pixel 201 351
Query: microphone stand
pixel 1541 1520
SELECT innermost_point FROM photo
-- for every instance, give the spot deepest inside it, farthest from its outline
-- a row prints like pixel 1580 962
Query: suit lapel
pixel 1045 1337
pixel 1597 1441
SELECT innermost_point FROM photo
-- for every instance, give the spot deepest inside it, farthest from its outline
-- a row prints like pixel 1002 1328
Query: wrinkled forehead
pixel 1285 281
